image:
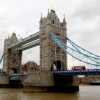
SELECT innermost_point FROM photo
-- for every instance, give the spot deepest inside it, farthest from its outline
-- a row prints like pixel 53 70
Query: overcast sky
pixel 22 17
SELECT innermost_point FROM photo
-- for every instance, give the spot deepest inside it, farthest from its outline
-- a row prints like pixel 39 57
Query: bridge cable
pixel 90 57
pixel 62 46
pixel 1 58
pixel 73 44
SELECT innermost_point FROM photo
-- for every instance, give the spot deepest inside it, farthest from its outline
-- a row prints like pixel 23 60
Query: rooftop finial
pixel 13 33
pixel 52 9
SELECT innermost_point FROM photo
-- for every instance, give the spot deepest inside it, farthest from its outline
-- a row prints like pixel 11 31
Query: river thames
pixel 86 92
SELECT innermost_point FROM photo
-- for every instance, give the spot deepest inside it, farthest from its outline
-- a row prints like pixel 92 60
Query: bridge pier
pixel 4 79
pixel 51 55
pixel 5 82
pixel 66 82
pixel 46 79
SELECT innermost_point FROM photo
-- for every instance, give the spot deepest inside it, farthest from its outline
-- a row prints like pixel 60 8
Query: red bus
pixel 78 68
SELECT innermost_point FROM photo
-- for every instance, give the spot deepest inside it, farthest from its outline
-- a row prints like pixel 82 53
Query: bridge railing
pixel 17 76
pixel 78 72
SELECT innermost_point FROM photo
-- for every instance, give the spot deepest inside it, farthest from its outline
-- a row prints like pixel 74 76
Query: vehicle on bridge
pixel 78 68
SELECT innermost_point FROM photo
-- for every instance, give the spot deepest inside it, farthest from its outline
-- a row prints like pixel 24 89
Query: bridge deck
pixel 16 76
pixel 78 72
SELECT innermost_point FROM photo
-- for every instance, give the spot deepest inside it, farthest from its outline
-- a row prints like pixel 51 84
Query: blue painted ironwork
pixel 78 47
pixel 78 72
pixel 18 67
pixel 24 41
pixel 65 48
pixel 30 45
pixel 8 67
pixel 1 58
pixel 17 76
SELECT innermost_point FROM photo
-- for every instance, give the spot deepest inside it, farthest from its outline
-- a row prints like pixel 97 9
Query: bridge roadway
pixel 78 72
pixel 66 72
pixel 26 40
pixel 17 76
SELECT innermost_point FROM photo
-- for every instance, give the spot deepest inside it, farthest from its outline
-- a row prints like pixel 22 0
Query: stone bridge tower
pixel 50 53
pixel 12 58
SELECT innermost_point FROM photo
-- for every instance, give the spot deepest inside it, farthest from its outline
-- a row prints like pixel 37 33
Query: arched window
pixel 53 22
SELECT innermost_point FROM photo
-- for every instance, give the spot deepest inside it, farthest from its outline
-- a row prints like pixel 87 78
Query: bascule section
pixel 12 57
pixel 50 54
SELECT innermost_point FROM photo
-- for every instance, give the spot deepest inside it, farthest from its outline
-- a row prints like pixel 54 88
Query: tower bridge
pixel 53 51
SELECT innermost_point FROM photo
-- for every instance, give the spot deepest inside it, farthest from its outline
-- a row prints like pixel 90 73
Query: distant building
pixel 87 79
pixel 29 66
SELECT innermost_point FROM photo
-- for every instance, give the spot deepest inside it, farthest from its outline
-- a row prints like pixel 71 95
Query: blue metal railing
pixel 17 76
pixel 78 72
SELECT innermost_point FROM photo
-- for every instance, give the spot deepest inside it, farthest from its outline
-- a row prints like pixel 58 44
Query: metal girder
pixel 24 41
pixel 63 47
pixel 30 45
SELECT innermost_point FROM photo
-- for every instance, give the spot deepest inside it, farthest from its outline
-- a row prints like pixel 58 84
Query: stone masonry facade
pixel 50 53
pixel 12 58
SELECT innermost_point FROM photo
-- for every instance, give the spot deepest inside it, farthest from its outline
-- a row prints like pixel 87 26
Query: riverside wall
pixel 87 79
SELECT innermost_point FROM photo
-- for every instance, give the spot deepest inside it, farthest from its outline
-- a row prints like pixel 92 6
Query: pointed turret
pixel 41 20
pixel 64 22
pixel 48 15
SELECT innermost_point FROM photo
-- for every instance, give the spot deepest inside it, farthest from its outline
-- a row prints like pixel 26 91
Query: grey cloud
pixel 88 10
pixel 23 17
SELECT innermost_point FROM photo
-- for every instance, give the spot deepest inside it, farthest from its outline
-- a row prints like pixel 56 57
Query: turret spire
pixel 64 20
pixel 48 15
pixel 41 17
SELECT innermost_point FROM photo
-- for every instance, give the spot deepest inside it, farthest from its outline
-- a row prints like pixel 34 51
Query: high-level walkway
pixel 24 41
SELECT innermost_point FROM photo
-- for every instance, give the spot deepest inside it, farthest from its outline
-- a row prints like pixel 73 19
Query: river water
pixel 86 92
